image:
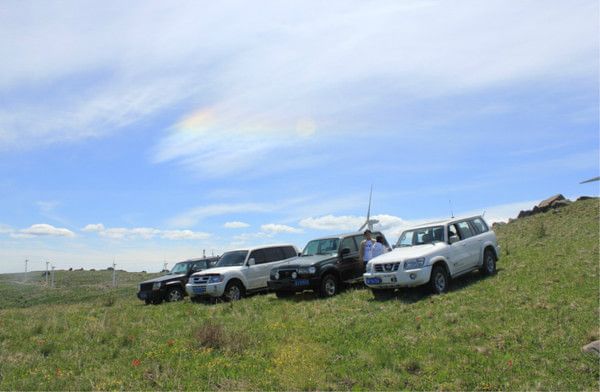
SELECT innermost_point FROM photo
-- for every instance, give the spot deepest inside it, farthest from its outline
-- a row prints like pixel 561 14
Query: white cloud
pixel 235 225
pixel 43 229
pixel 273 228
pixel 5 229
pixel 332 222
pixel 144 233
pixel 191 217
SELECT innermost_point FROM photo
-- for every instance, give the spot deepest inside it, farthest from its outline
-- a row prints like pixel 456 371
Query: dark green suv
pixel 324 264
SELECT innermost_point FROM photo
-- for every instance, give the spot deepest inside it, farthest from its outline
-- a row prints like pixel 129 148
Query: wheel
pixel 439 280
pixel 382 293
pixel 284 294
pixel 174 294
pixel 489 263
pixel 329 286
pixel 157 301
pixel 147 301
pixel 233 291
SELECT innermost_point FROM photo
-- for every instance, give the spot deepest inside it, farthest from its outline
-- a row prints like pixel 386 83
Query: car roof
pixel 251 248
pixel 443 222
pixel 345 235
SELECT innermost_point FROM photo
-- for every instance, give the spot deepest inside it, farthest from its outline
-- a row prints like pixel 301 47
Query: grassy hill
pixel 520 329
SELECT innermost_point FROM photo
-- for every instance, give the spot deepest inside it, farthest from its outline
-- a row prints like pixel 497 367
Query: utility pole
pixel 114 273
pixel 165 265
pixel 204 253
pixel 26 261
pixel 52 276
pixel 47 263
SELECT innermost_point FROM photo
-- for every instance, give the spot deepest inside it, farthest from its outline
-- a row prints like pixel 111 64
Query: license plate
pixel 373 280
pixel 301 282
pixel 199 290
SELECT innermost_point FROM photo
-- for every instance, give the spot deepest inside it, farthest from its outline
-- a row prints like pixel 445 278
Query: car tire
pixel 233 291
pixel 157 301
pixel 381 294
pixel 488 267
pixel 147 301
pixel 329 286
pixel 284 294
pixel 174 294
pixel 438 282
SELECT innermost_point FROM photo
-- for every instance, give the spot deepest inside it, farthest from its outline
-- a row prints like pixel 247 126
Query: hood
pixel 412 252
pixel 220 270
pixel 306 261
pixel 164 278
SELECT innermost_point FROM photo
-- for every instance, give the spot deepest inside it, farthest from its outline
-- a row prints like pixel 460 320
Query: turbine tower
pixel 369 222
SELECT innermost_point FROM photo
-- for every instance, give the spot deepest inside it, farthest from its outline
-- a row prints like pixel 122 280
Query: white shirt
pixel 368 250
pixel 377 250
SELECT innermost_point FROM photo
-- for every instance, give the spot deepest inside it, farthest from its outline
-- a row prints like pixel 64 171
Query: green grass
pixel 520 329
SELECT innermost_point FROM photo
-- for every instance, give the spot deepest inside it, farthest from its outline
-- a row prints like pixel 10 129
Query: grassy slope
pixel 521 329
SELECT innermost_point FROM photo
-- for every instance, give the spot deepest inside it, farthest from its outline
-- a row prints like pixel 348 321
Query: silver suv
pixel 434 253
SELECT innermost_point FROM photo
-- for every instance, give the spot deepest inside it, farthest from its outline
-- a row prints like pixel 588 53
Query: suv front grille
pixel 285 274
pixel 387 267
pixel 199 279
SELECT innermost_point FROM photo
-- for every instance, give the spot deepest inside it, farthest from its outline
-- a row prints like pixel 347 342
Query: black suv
pixel 171 287
pixel 324 264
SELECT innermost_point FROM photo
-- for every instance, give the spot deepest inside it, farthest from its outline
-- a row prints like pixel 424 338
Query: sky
pixel 154 131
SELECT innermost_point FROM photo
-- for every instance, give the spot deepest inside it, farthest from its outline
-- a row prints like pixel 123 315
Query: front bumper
pixel 392 280
pixel 298 284
pixel 150 295
pixel 205 290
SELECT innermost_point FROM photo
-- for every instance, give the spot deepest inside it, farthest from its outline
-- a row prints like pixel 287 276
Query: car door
pixel 255 272
pixel 458 252
pixel 349 264
pixel 471 243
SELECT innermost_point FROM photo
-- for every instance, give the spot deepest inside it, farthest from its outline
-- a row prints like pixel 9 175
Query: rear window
pixel 289 252
pixel 465 230
pixel 273 254
pixel 479 225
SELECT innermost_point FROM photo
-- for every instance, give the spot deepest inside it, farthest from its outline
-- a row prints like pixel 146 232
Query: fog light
pixel 276 275
pixel 413 276
pixel 294 275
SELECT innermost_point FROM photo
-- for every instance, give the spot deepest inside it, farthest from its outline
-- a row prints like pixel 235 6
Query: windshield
pixel 234 258
pixel 425 235
pixel 180 268
pixel 321 247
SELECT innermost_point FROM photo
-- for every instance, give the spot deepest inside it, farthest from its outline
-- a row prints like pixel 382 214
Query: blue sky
pixel 152 132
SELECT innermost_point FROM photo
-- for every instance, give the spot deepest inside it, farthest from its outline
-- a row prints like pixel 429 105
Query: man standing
pixel 366 248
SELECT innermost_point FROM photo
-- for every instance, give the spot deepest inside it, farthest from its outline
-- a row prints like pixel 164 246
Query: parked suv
pixel 239 272
pixel 434 253
pixel 322 267
pixel 171 287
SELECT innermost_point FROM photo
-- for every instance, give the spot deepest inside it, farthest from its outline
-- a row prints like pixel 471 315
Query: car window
pixel 258 256
pixel 452 230
pixel 464 229
pixel 273 254
pixel 349 243
pixel 289 251
pixel 479 225
pixel 406 239
pixel 200 265
pixel 359 239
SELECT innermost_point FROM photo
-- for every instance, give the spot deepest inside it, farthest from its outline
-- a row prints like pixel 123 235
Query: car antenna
pixel 451 212
pixel 483 215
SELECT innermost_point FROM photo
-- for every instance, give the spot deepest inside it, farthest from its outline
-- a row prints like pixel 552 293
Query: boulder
pixel 586 198
pixel 546 204
pixel 593 348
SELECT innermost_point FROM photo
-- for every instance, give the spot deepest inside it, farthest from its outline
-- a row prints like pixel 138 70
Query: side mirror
pixel 251 261
pixel 299 254
pixel 453 239
pixel 345 251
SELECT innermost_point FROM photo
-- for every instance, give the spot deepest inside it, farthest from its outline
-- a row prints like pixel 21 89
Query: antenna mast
pixel 451 211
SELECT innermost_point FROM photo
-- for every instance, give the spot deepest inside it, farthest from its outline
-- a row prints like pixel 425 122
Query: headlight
pixel 413 264
pixel 307 270
pixel 294 275
pixel 276 276
pixel 156 286
pixel 215 279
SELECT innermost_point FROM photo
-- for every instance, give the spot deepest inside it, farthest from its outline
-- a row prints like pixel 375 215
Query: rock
pixel 593 348
pixel 560 203
pixel 545 204
pixel 586 198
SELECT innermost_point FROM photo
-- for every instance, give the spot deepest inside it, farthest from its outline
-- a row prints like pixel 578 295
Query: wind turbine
pixel 369 222
pixel 590 180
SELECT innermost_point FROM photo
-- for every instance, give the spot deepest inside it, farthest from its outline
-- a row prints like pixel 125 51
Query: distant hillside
pixel 521 329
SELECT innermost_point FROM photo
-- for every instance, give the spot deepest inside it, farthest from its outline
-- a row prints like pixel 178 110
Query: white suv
pixel 239 272
pixel 434 253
